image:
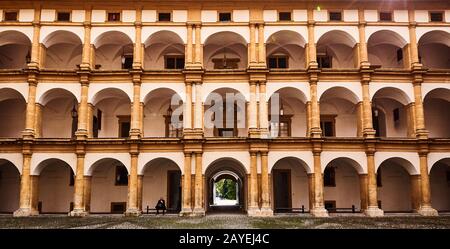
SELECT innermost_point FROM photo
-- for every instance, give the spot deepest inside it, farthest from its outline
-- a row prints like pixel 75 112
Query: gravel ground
pixel 223 222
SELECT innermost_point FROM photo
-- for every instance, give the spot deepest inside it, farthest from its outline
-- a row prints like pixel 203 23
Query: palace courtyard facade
pixel 336 106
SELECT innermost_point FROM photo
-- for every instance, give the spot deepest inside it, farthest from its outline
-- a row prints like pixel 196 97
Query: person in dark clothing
pixel 161 205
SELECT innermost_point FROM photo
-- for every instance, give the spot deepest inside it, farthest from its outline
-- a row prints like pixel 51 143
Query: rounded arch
pixel 225 44
pixel 434 49
pixel 385 49
pixel 444 160
pixel 61 36
pixel 55 93
pixel 4 161
pixel 109 92
pixel 15 159
pixel 158 160
pixel 161 92
pixel 437 92
pixel 148 88
pixel 163 36
pixel 11 93
pixel 159 45
pixel 404 163
pixel 219 89
pixel 385 36
pixel 336 46
pixel 342 92
pixel 290 93
pixel 226 163
pixel 220 174
pixel 348 161
pixel 40 167
pixel 303 88
pixel 297 161
pixel 112 37
pixel 15 49
pixel 107 160
pixel 434 36
pixel 393 93
pixel 283 37
pixel 63 50
pixel 337 37
pixel 287 43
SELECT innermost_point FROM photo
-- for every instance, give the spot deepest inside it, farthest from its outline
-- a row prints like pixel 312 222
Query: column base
pixel 78 213
pixel 253 212
pixel 25 212
pixel 266 212
pixel 373 211
pixel 132 212
pixel 427 211
pixel 186 212
pixel 319 212
pixel 198 212
pixel 253 133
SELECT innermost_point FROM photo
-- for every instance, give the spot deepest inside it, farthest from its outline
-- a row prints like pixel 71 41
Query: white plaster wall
pixel 15 158
pixel 299 15
pixel 354 87
pixel 128 15
pixel 241 156
pixel 209 16
pixel 148 15
pixel 47 30
pixel 91 158
pixel 26 30
pixel 57 118
pixel 346 192
pixel 420 31
pixel 346 116
pixel 447 15
pixel 103 189
pixel 178 88
pixel 98 16
pixel 350 15
pixel 406 88
pixel 440 187
pixel 270 30
pixel 371 15
pixel 147 31
pixel 320 16
pixel 20 87
pixel 270 16
pixel 352 31
pixel 9 187
pixel 38 158
pixel 146 157
pixel 111 108
pixel 97 87
pixel 241 30
pixel 395 193
pixel 78 15
pixel 359 157
pixel 299 183
pixel 155 183
pixel 241 15
pixel 421 15
pixel 179 15
pixel 54 190
pixel 44 88
pixel 127 30
pixel 411 157
pixel 403 32
pixel 48 15
pixel 434 157
pixel 272 87
pixel 26 15
pixel 384 55
pixel 305 156
pixel 401 16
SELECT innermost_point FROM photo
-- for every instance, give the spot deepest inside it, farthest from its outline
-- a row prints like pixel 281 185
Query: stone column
pixel 132 207
pixel 252 49
pixel 413 50
pixel 261 46
pixel 198 205
pixel 253 112
pixel 38 121
pixel 316 132
pixel 372 209
pixel 35 46
pixel 198 114
pixel 318 209
pixel 86 54
pixel 253 208
pixel 311 51
pixel 30 118
pixel 263 111
pixel 198 46
pixel 135 132
pixel 189 57
pixel 421 132
pixel 425 189
pixel 25 208
pixel 82 131
pixel 87 193
pixel 90 122
pixel 410 120
pixel 265 195
pixel 187 207
pixel 187 115
pixel 368 130
pixel 415 192
pixel 363 56
pixel 78 198
pixel 137 53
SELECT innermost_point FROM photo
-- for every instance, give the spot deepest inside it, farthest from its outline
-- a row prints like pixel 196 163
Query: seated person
pixel 161 205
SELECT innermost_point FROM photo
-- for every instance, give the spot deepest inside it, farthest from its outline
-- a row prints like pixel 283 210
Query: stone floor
pixel 226 221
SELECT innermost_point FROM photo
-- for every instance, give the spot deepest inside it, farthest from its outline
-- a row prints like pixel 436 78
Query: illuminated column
pixel 187 207
pixel 252 44
pixel 263 110
pixel 311 51
pixel 86 54
pixel 25 205
pixel 198 45
pixel 189 46
pixel 363 56
pixel 198 115
pixel 253 208
pixel 132 205
pixel 38 121
pixel 36 46
pixel 198 202
pixel 261 46
pixel 318 209
pixel 253 112
pixel 363 191
pixel 78 198
pixel 413 50
pixel 316 132
pixel 265 190
pixel 425 191
pixel 90 122
pixel 140 185
pixel 137 53
pixel 421 131
pixel 135 132
pixel 83 112
pixel 368 130
pixel 187 115
pixel 87 193
pixel 372 208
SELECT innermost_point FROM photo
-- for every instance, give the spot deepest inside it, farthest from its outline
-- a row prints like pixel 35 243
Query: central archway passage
pixel 225 187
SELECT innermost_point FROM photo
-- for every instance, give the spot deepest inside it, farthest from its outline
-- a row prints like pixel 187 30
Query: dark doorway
pixel 282 190
pixel 174 190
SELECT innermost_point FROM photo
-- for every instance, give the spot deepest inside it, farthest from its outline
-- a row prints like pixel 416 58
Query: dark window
pixel 225 63
pixel 127 61
pixel 386 16
pixel 10 16
pixel 327 125
pixel 330 205
pixel 124 126
pixel 436 16
pixel 335 16
pixel 399 54
pixel 396 114
pixel 226 132
pixel 118 207
pixel 99 117
pixel 379 204
pixel 71 178
pixel 164 17
pixel 284 16
pixel 225 17
pixel 329 177
pixel 121 176
pixel 63 16
pixel 278 61
pixel 324 61
pixel 379 183
pixel 174 62
pixel 114 17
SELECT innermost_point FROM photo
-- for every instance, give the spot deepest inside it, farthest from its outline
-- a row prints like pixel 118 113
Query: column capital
pixel 311 23
pixel 87 24
pixel 138 24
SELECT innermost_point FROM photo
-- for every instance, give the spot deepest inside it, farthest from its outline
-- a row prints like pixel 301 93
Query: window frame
pixel 10 11
pixel 335 11
pixel 123 119
pixel 113 12
pixel 281 12
pixel 386 12
pixel 61 12
pixel 225 12
pixel 430 12
pixel 116 171
pixel 165 12
pixel 329 118
pixel 277 57
pixel 176 57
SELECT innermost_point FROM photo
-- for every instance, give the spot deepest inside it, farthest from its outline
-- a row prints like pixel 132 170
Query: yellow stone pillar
pixel 198 202
pixel 263 110
pixel 30 117
pixel 87 193
pixel 410 120
pixel 83 112
pixel 38 121
pixel 252 48
pixel 189 46
pixel 316 132
pixel 372 208
pixel 198 46
pixel 132 205
pixel 415 192
pixel 311 191
pixel 363 55
pixel 360 117
pixel 90 122
pixel 86 54
pixel 137 53
pixel 368 130
pixel 198 114
pixel 187 115
pixel 25 207
pixel 187 207
pixel 265 190
pixel 135 132
pixel 253 112
pixel 35 46
pixel 308 118
pixel 78 198
pixel 425 189
pixel 253 208
pixel 261 46
pixel 413 50
pixel 318 209
pixel 311 59
pixel 421 131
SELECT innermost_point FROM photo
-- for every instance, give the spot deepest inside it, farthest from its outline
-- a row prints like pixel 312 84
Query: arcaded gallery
pixel 256 107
